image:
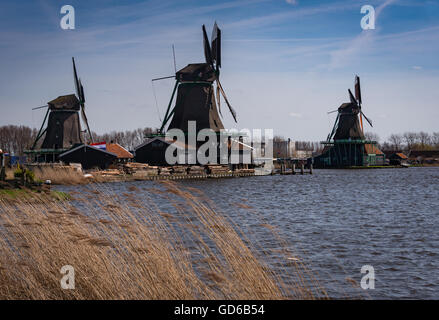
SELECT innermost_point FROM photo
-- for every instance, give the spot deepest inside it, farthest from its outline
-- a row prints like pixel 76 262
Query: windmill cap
pixel 196 72
pixel 68 102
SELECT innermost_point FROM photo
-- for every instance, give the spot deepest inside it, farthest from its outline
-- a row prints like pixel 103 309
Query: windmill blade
pixel 367 119
pixel 216 45
pixel 75 76
pixel 218 98
pixel 85 120
pixel 82 103
pixel 332 111
pixel 46 106
pixel 351 96
pixel 334 128
pixel 81 92
pixel 232 111
pixel 207 50
pixel 162 78
pixel 358 90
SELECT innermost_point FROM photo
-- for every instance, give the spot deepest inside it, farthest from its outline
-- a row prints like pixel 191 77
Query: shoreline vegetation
pixel 67 176
pixel 125 248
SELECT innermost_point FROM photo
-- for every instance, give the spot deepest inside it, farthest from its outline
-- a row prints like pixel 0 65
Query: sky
pixel 285 63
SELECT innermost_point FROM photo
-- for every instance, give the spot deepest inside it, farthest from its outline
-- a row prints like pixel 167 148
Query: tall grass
pixel 59 175
pixel 121 248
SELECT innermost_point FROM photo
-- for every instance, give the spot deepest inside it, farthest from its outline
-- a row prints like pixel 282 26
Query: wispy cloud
pixel 360 43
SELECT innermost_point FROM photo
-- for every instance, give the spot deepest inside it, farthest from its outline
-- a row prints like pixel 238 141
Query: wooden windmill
pixel 349 122
pixel 197 98
pixel 63 129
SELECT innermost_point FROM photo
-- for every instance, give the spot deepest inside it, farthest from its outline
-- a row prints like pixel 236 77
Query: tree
pixel 409 139
pixel 435 139
pixel 372 136
pixel 16 139
pixel 424 139
pixel 396 141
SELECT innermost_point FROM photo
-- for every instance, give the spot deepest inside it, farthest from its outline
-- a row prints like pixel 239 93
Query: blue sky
pixel 285 63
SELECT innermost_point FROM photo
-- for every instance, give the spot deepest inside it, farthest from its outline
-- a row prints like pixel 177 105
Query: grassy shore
pixel 124 248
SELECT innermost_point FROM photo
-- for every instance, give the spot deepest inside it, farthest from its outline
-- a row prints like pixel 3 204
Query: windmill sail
pixel 81 96
pixel 232 111
pixel 216 45
pixel 207 49
pixel 358 89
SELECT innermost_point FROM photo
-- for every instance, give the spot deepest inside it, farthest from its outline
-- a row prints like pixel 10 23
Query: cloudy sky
pixel 286 63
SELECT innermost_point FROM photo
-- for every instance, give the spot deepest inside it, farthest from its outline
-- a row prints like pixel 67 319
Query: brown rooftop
pixel 119 151
pixel 372 149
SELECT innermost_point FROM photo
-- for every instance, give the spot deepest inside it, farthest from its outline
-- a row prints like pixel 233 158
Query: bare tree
pixel 409 139
pixel 424 139
pixel 435 139
pixel 396 141
pixel 127 139
pixel 16 139
pixel 372 136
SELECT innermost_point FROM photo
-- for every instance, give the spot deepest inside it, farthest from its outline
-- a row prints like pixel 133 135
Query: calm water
pixel 339 220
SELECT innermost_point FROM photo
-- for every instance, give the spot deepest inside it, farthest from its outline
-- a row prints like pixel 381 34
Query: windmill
pixel 197 99
pixel 349 122
pixel 63 128
pixel 346 145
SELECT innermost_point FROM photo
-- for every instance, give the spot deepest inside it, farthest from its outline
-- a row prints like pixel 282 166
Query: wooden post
pixel 302 169
pixel 310 168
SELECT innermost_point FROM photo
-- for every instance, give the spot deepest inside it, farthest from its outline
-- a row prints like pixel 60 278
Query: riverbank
pixel 10 191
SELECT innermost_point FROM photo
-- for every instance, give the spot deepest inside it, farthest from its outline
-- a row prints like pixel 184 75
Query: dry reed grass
pixel 123 249
pixel 59 175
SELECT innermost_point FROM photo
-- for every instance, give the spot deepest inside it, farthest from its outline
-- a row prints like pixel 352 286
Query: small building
pixel 153 152
pixel 397 158
pixel 88 156
pixel 123 155
pixel 375 157
pixel 424 156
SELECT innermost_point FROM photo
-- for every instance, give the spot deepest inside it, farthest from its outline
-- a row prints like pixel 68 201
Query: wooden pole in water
pixel 294 168
pixel 302 169
pixel 310 168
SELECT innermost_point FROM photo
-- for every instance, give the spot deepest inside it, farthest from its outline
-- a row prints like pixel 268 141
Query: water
pixel 339 220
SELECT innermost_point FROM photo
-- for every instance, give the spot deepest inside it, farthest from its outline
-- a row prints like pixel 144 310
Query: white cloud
pixel 417 68
pixel 292 1
pixel 295 115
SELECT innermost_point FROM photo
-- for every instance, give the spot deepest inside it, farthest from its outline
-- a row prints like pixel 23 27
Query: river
pixel 338 221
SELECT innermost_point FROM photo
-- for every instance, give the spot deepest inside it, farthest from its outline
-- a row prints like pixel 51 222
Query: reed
pixel 59 175
pixel 125 248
